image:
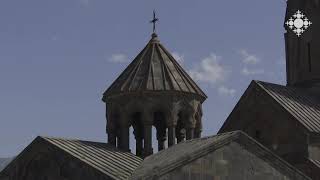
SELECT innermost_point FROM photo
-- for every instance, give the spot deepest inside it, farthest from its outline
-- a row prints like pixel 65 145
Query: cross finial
pixel 154 21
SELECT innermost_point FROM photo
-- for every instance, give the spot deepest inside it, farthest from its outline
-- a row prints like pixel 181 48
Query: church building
pixel 272 133
pixel 286 119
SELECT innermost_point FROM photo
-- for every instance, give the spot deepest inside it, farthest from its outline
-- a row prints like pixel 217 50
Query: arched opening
pixel 132 144
pixel 154 140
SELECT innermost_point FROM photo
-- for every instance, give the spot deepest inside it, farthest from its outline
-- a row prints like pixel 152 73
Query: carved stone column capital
pixel 172 118
pixel 148 150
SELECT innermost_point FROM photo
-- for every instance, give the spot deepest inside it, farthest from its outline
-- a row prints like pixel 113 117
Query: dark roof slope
pixel 185 152
pixel 303 106
pixel 101 156
pixel 154 69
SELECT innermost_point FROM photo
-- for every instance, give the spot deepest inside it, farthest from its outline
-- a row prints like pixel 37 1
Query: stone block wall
pixel 231 162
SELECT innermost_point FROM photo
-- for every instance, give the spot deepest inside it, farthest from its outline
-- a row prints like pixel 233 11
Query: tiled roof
pixel 101 156
pixel 315 162
pixel 154 69
pixel 303 106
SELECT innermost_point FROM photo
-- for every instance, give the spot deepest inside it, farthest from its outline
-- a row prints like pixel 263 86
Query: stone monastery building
pixel 272 133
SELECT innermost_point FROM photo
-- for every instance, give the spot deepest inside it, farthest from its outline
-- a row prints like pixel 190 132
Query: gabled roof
pixel 100 156
pixel 300 104
pixel 296 101
pixel 154 69
pixel 185 152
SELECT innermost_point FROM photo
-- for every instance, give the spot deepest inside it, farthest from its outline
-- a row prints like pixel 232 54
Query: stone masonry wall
pixel 231 162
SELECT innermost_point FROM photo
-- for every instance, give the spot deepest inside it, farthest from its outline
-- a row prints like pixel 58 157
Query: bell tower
pixel 153 91
pixel 302 37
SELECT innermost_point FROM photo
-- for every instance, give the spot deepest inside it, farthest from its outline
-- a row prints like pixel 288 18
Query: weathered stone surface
pixel 232 155
pixel 230 162
pixel 280 125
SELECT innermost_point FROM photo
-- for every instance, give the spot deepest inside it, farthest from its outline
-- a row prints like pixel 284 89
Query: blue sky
pixel 57 58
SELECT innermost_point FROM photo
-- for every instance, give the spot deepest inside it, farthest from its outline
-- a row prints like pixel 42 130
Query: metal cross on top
pixel 154 21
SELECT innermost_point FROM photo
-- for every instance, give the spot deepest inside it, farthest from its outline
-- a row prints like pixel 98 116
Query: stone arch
pixel 154 118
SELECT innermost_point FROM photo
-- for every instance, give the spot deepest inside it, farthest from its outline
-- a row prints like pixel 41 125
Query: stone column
pixel 138 133
pixel 112 138
pixel 124 132
pixel 147 139
pixel 118 132
pixel 110 128
pixel 160 124
pixel 198 126
pixel 161 145
pixel 112 134
pixel 171 124
pixel 124 140
pixel 180 134
pixel 191 122
pixel 161 137
pixel 197 133
pixel 190 133
pixel 171 135
pixel 139 146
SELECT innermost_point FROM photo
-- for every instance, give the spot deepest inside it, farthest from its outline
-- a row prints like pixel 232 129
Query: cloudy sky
pixel 57 58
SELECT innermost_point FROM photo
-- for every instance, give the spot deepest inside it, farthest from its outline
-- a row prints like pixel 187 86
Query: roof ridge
pixel 69 139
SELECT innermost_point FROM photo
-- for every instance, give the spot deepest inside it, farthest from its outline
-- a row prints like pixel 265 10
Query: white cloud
pixel 247 72
pixel 118 58
pixel 226 91
pixel 209 70
pixel 248 58
pixel 179 57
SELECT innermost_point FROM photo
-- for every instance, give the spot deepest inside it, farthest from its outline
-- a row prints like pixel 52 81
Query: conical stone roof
pixel 154 69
